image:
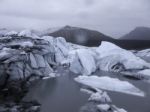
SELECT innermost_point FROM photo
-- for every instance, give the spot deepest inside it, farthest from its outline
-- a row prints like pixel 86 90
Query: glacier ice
pixel 145 73
pixel 116 109
pixel 101 97
pixel 99 100
pixel 143 53
pixel 85 61
pixel 113 57
pixel 107 57
pixel 40 53
pixel 111 84
pixel 103 107
pixel 27 33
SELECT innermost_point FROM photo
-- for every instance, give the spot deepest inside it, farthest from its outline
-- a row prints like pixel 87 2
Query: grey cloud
pixel 114 18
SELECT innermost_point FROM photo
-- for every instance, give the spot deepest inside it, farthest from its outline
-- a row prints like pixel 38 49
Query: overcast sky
pixel 112 17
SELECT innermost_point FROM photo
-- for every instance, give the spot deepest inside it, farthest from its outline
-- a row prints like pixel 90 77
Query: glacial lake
pixel 62 94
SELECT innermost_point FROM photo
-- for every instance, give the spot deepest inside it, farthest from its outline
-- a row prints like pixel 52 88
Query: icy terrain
pixel 25 54
pixel 24 57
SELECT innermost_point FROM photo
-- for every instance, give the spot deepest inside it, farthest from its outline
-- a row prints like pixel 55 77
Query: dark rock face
pixel 139 33
pixel 81 36
pixel 88 37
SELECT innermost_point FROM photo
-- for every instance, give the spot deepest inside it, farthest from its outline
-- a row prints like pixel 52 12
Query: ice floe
pixel 103 107
pixel 112 84
pixel 99 100
pixel 101 97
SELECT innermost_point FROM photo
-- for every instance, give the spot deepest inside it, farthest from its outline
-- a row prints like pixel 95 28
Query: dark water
pixel 130 102
pixel 146 58
pixel 62 94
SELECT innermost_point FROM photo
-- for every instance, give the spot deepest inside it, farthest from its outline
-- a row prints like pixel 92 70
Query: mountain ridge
pixel 80 35
pixel 139 33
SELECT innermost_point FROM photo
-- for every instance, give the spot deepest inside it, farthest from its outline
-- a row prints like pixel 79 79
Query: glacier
pixel 107 57
pixel 49 51
pixel 25 56
pixel 112 57
pixel 46 51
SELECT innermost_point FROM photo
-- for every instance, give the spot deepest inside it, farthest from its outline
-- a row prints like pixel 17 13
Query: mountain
pixel 139 33
pixel 80 35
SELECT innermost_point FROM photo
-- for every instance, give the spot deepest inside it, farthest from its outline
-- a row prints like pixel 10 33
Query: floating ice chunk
pixel 86 91
pixel 51 75
pixel 100 97
pixel 111 84
pixel 116 109
pixel 103 107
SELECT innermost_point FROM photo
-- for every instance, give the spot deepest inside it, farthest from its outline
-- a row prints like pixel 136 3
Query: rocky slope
pixel 139 33
pixel 80 35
